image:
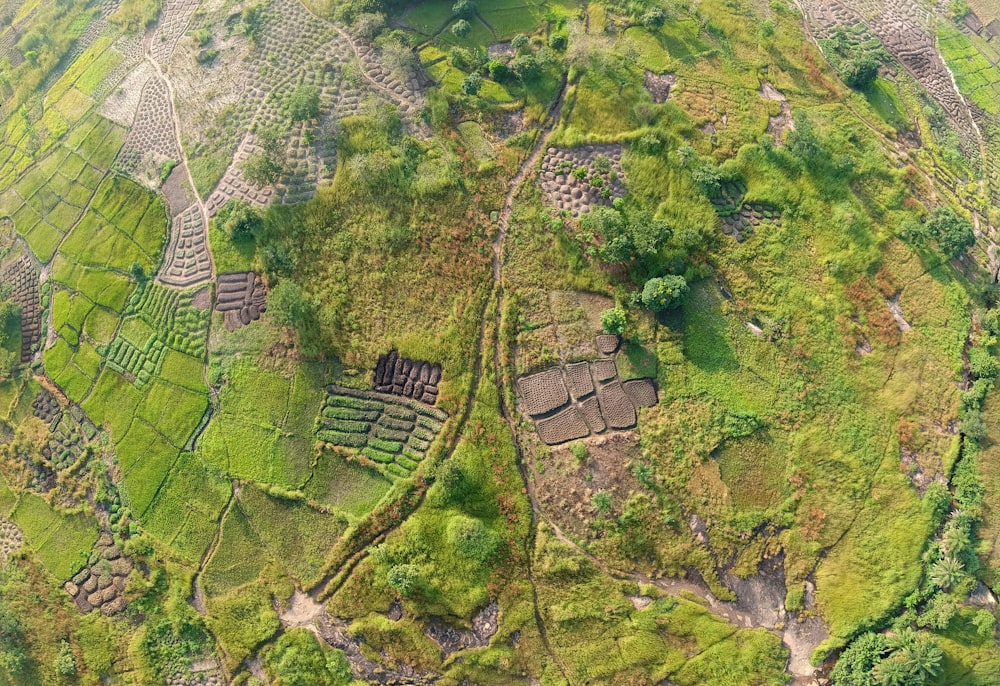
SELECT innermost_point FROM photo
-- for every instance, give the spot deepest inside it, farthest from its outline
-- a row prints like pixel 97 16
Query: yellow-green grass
pixel 294 533
pixel 143 480
pixel 73 106
pixel 61 541
pixel 243 621
pixel 350 488
pixel 185 514
pixel 98 71
pixel 976 76
pixel 112 403
pixel 510 17
pixel 174 410
pixel 239 558
pixel 75 70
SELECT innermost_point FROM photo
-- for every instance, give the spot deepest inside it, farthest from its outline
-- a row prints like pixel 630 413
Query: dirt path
pixel 503 224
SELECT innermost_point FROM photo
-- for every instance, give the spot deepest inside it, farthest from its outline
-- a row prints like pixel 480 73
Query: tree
pixel 985 623
pixel 461 28
pixel 664 293
pixel 923 657
pixel 860 72
pixel 519 42
pixel 471 84
pixel 558 41
pixel 65 663
pixel 298 659
pixel 654 18
pixel 369 24
pixel 303 104
pixel 498 70
pixel 954 234
pixel 854 668
pixel 947 572
pixel 288 304
pixel 10 349
pixel 260 170
pixel 464 9
pixel 12 655
pixel 803 141
pixel 238 219
pixel 613 320
pixel 525 67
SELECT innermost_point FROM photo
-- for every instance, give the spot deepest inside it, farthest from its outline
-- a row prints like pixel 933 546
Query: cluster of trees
pixel 633 238
pixel 856 64
pixel 952 233
pixel 298 659
pixel 903 658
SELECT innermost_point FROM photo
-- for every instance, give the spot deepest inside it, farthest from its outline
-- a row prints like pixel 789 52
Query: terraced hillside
pixel 511 342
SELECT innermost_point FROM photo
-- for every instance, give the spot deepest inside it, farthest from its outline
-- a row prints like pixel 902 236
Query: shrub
pixel 558 41
pixel 613 320
pixel 471 84
pixel 461 28
pixel 471 538
pixel 664 293
pixel 238 219
pixel 519 42
pixel 654 18
pixel 464 9
pixel 498 70
pixel 303 104
pixel 260 170
pixel 298 659
pixel 525 67
pixel 404 578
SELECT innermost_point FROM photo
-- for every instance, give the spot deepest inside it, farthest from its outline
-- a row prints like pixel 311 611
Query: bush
pixel 498 70
pixel 303 104
pixel 461 28
pixel 298 659
pixel 464 9
pixel 558 41
pixel 261 170
pixel 654 18
pixel 288 304
pixel 404 578
pixel 471 84
pixel 471 538
pixel 238 219
pixel 664 293
pixel 613 320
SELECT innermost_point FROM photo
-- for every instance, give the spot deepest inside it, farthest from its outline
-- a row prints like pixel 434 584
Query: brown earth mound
pixel 641 392
pixel 616 408
pixel 568 425
pixel 543 392
pixel 580 383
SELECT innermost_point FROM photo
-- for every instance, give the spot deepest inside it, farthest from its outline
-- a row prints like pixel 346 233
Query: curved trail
pixel 503 225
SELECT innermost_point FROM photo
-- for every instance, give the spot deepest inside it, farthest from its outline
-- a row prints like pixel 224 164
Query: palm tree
pixel 923 659
pixel 947 572
pixel 892 672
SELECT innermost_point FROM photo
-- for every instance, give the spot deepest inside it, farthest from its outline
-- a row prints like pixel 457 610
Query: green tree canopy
pixel 298 659
pixel 664 293
pixel 303 104
pixel 954 234
pixel 613 320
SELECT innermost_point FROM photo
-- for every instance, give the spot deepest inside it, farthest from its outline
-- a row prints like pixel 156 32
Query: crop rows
pixel 175 323
pixel 391 432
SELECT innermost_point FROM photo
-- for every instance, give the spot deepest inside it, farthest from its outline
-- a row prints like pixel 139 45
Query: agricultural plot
pixel 188 260
pixel 10 539
pixel 740 218
pixel 101 584
pixel 241 298
pixel 574 401
pixel 21 275
pixel 414 379
pixel 263 430
pixel 60 541
pixel 391 433
pixel 151 140
pixel 577 179
pixel 156 321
